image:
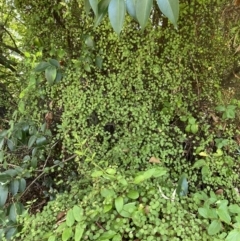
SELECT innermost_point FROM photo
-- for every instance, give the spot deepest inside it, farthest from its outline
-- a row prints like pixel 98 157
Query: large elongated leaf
pixel 116 12
pixel 41 66
pixel 102 11
pixel 182 188
pixel 131 8
pixel 79 232
pixel 94 5
pixel 3 194
pixel 87 6
pixel 14 186
pixel 170 8
pixel 50 74
pixel 143 9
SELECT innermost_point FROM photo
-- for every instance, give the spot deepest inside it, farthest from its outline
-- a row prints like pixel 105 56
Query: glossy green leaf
pixel 131 8
pixel 224 215
pixel 182 188
pixel 107 235
pixel 50 74
pixel 128 209
pixel 94 6
pixel 149 173
pixel 67 234
pixel 215 227
pixel 102 11
pixel 234 235
pixel 14 186
pixel 116 12
pixel 170 8
pixel 41 141
pixel 34 162
pixel 119 204
pixel 78 213
pixel 54 62
pixel 79 232
pixel 31 141
pixel 133 194
pixel 143 9
pixel 41 66
pixel 4 178
pixel 22 185
pixel 70 218
pixel 13 212
pixel 3 194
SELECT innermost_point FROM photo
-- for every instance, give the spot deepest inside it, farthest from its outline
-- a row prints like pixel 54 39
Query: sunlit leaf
pixel 77 213
pixel 107 235
pixel 119 204
pixel 224 215
pixel 234 235
pixel 133 194
pixel 79 232
pixel 214 227
pixel 70 218
pixel 67 234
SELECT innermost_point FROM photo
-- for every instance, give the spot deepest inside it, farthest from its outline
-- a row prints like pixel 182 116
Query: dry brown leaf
pixel 219 192
pixel 154 160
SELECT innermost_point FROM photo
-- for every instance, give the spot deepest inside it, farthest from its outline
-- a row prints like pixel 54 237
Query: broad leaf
pixel 143 9
pixel 133 194
pixel 10 233
pixel 50 74
pixel 224 215
pixel 41 66
pixel 170 8
pixel 79 232
pixel 4 178
pixel 70 218
pixel 234 235
pixel 67 234
pixel 14 186
pixel 22 185
pixel 31 141
pixel 3 194
pixel 102 11
pixel 87 6
pixel 119 204
pixel 107 235
pixel 94 6
pixel 54 62
pixel 116 12
pixel 182 188
pixel 41 141
pixel 77 213
pixel 214 227
pixel 131 8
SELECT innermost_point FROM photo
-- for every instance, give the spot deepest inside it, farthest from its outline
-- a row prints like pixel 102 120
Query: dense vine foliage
pixel 121 137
